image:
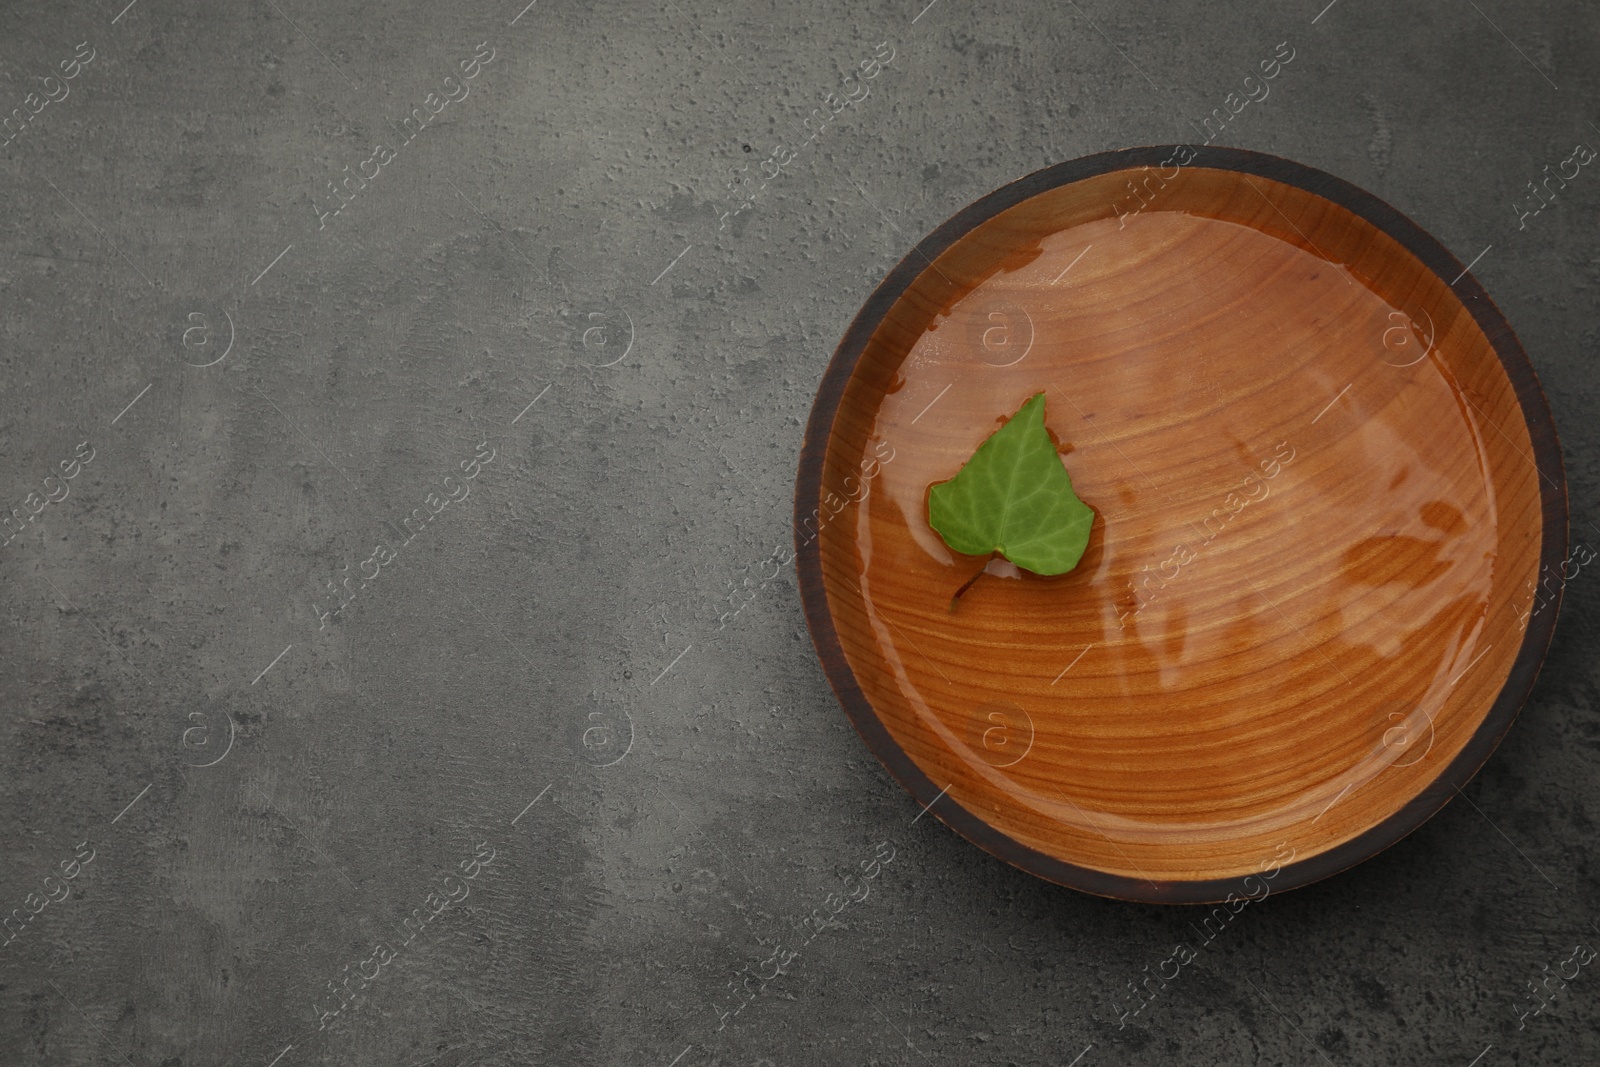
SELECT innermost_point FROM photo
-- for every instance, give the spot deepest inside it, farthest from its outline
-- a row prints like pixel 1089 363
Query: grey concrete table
pixel 420 414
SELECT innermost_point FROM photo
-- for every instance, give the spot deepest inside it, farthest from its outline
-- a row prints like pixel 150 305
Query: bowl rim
pixel 1432 254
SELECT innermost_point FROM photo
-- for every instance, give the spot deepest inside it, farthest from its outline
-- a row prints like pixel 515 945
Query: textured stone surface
pixel 556 236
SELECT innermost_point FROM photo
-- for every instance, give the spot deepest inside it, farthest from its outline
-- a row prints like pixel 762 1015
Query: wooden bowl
pixel 1327 489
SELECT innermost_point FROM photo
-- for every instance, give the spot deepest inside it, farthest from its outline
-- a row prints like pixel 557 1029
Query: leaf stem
pixel 968 583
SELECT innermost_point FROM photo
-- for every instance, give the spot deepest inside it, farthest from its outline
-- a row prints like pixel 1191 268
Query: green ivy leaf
pixel 1014 498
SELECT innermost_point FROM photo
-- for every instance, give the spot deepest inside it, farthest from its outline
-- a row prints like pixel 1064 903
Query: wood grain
pixel 1321 512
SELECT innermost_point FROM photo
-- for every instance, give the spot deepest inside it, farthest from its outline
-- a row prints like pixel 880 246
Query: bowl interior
pixel 1318 526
